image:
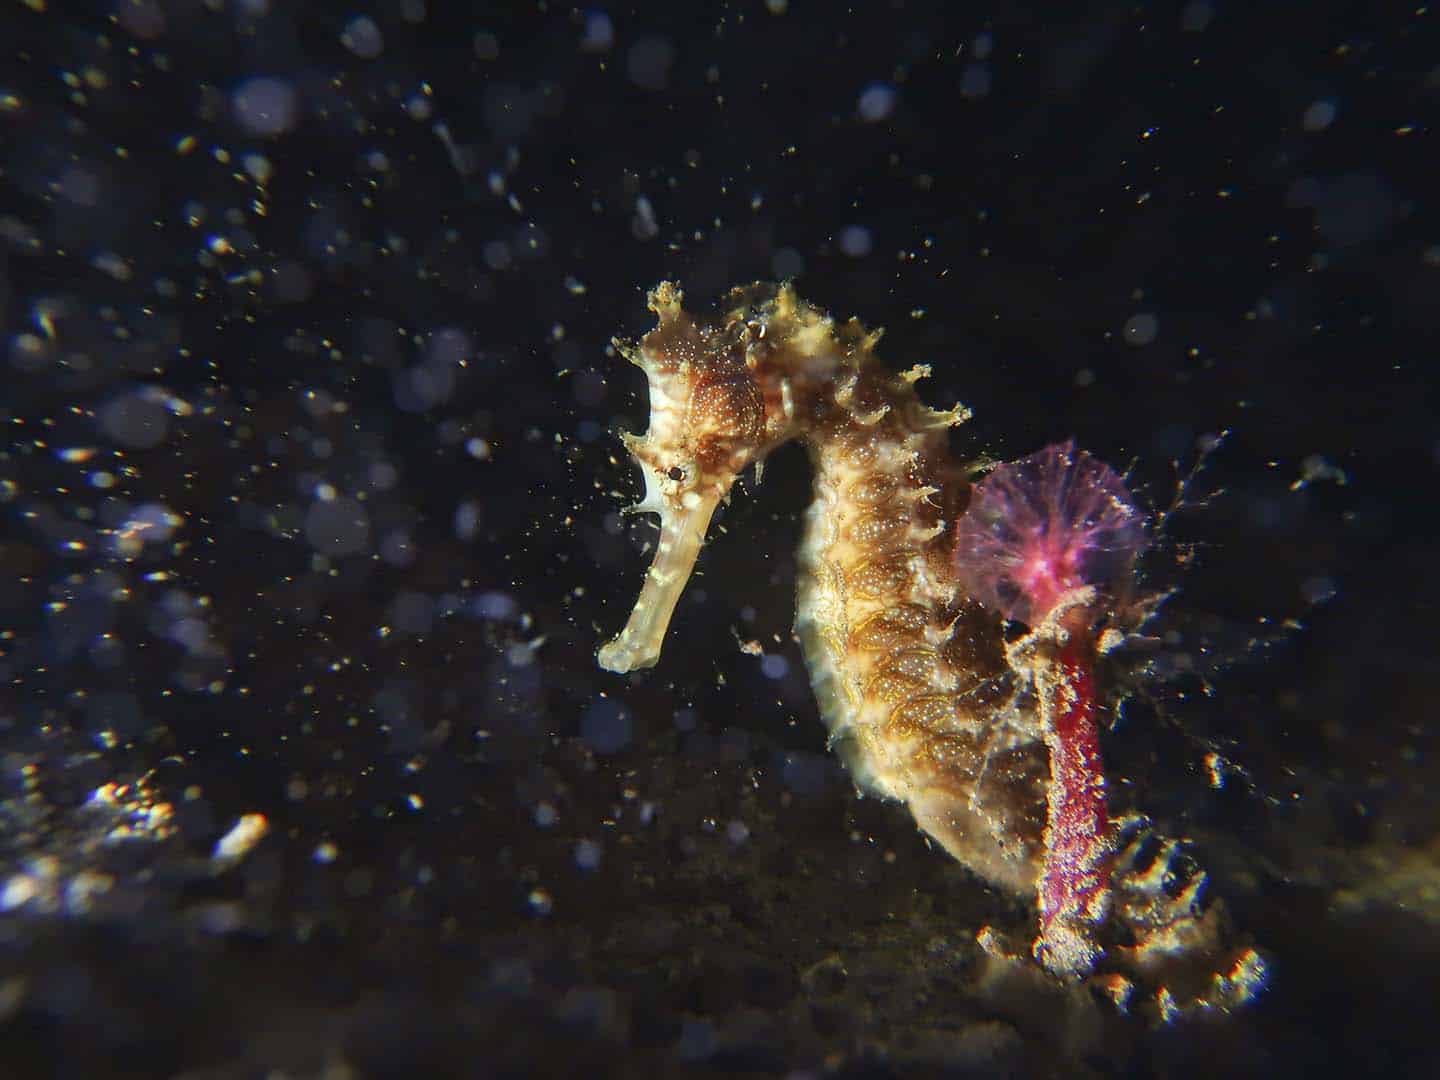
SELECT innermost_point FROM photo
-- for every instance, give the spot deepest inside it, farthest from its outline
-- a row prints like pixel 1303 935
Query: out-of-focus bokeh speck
pixel 310 493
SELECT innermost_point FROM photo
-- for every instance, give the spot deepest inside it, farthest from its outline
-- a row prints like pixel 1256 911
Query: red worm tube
pixel 1037 532
pixel 1074 884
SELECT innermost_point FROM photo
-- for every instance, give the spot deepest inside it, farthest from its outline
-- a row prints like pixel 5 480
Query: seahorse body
pixel 923 697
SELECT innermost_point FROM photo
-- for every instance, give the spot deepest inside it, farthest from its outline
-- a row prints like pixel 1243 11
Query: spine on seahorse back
pixel 922 695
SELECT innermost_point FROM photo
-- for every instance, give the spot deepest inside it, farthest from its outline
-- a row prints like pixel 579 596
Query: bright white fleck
pixel 18 891
pixel 242 837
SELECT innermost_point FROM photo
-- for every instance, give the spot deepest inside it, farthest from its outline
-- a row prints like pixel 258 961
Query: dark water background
pixel 309 493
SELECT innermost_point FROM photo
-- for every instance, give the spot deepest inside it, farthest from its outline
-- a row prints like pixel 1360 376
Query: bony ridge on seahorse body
pixel 924 697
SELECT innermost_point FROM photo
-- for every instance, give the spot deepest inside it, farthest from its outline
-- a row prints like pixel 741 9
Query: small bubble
pixel 338 527
pixel 1319 590
pixel 1196 16
pixel 806 774
pixel 467 520
pixel 1319 116
pixel 975 81
pixel 855 241
pixel 486 46
pixel 541 902
pixel 144 19
pixel 606 727
pixel 599 33
pixel 1140 329
pixel 265 106
pixel 137 421
pixel 588 854
pixel 363 38
pixel 413 613
pixel 192 634
pixel 496 606
pixel 877 101
pixel 648 62
pixel 787 263
pixel 496 254
pixel 644 225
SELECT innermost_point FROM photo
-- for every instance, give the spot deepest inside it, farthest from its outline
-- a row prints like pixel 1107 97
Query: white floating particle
pixel 241 839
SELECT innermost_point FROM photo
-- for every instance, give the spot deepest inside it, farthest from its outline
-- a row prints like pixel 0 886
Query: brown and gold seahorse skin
pixel 923 697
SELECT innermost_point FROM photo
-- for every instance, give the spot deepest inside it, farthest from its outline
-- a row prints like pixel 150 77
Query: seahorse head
pixel 707 424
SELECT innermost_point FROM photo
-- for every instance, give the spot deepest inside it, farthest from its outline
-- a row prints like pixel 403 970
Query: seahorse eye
pixel 676 473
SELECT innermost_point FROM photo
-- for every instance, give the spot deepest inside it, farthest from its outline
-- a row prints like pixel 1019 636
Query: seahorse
pixel 926 699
